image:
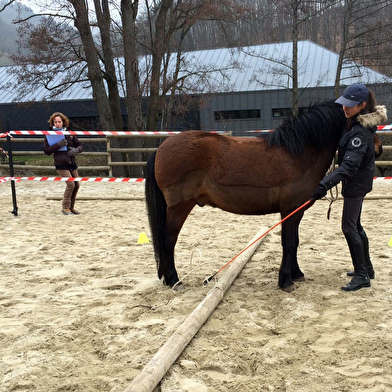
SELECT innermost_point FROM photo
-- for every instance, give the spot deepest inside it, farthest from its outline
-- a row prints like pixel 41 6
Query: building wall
pixel 35 115
pixel 266 101
pixel 84 115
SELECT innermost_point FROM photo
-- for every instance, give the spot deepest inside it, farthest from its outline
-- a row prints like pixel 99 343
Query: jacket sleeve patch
pixel 356 142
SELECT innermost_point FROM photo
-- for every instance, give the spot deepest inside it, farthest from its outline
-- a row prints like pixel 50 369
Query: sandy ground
pixel 81 308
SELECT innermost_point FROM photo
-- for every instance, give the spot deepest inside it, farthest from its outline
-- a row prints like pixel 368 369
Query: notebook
pixel 53 139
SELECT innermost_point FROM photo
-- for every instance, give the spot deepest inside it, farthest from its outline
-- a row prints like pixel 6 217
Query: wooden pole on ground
pixel 153 372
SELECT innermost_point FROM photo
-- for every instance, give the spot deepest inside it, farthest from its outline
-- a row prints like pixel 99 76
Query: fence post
pixel 11 165
pixel 108 144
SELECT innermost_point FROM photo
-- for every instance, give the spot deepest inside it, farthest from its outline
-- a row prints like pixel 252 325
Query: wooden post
pixel 108 148
pixel 153 372
pixel 11 165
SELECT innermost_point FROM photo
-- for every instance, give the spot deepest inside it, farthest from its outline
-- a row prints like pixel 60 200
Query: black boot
pixel 368 262
pixel 357 251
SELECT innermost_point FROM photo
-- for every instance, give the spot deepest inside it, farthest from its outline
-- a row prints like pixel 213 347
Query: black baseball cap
pixel 354 95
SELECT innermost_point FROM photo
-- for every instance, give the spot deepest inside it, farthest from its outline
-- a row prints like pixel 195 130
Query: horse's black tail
pixel 156 208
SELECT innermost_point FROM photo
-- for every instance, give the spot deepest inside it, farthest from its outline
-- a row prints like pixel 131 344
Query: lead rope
pixel 332 197
pixel 191 266
pixel 206 280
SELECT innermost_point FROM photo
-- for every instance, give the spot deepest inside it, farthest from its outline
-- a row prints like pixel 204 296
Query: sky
pixel 30 4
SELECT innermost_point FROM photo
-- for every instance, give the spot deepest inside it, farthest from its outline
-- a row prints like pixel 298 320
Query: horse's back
pixel 227 160
pixel 189 152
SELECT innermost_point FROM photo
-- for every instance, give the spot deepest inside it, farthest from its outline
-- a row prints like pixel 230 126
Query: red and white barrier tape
pixel 134 133
pixel 72 179
pixel 99 133
pixel 4 152
pixel 106 179
pixel 96 133
pixel 379 128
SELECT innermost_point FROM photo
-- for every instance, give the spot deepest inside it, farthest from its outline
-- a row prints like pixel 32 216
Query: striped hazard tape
pixel 96 133
pixel 133 133
pixel 382 178
pixel 106 179
pixel 99 133
pixel 72 179
pixel 4 152
pixel 379 128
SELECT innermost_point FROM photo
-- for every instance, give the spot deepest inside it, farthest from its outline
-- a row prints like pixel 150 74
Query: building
pixel 243 89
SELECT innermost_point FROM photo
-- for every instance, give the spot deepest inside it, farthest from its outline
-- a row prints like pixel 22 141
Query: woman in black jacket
pixel 356 159
pixel 64 152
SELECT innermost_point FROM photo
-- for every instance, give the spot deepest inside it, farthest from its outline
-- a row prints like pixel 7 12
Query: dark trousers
pixel 351 218
pixel 355 234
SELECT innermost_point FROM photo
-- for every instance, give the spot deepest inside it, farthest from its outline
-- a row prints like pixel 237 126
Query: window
pixel 236 114
pixel 285 112
pixel 282 112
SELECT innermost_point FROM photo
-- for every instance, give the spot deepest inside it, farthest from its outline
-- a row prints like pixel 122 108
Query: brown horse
pixel 377 146
pixel 276 172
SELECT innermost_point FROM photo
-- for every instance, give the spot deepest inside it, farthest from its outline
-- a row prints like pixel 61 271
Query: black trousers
pixel 351 218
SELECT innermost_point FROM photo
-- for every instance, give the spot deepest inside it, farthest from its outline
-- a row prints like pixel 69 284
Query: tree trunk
pixel 94 70
pixel 295 5
pixel 104 22
pixel 133 98
pixel 159 45
pixel 343 44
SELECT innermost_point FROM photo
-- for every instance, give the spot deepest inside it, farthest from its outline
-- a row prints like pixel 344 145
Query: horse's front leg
pixel 289 269
pixel 175 218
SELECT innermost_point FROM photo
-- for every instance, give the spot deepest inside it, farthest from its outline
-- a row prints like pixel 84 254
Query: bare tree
pixel 365 35
pixel 94 39
pixel 5 5
pixel 90 52
pixel 290 17
pixel 169 26
pixel 133 96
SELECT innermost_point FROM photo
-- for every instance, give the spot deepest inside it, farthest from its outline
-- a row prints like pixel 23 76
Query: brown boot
pixel 72 208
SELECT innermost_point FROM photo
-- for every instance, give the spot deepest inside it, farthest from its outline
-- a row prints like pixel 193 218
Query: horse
pixel 378 150
pixel 271 173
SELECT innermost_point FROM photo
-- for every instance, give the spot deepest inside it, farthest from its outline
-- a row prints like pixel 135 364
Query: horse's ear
pixel 377 145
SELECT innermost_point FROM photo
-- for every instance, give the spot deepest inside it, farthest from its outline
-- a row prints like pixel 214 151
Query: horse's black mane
pixel 318 126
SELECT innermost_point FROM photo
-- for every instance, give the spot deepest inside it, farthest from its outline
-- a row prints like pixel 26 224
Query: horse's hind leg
pixel 176 216
pixel 289 269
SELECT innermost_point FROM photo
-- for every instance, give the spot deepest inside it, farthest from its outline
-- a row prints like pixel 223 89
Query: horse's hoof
pixel 289 289
pixel 300 279
pixel 178 286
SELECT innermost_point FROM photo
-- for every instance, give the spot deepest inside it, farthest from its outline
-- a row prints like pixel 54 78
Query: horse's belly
pixel 249 200
pixel 241 200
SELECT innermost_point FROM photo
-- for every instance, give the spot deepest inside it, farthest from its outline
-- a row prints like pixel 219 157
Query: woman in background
pixel 64 152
